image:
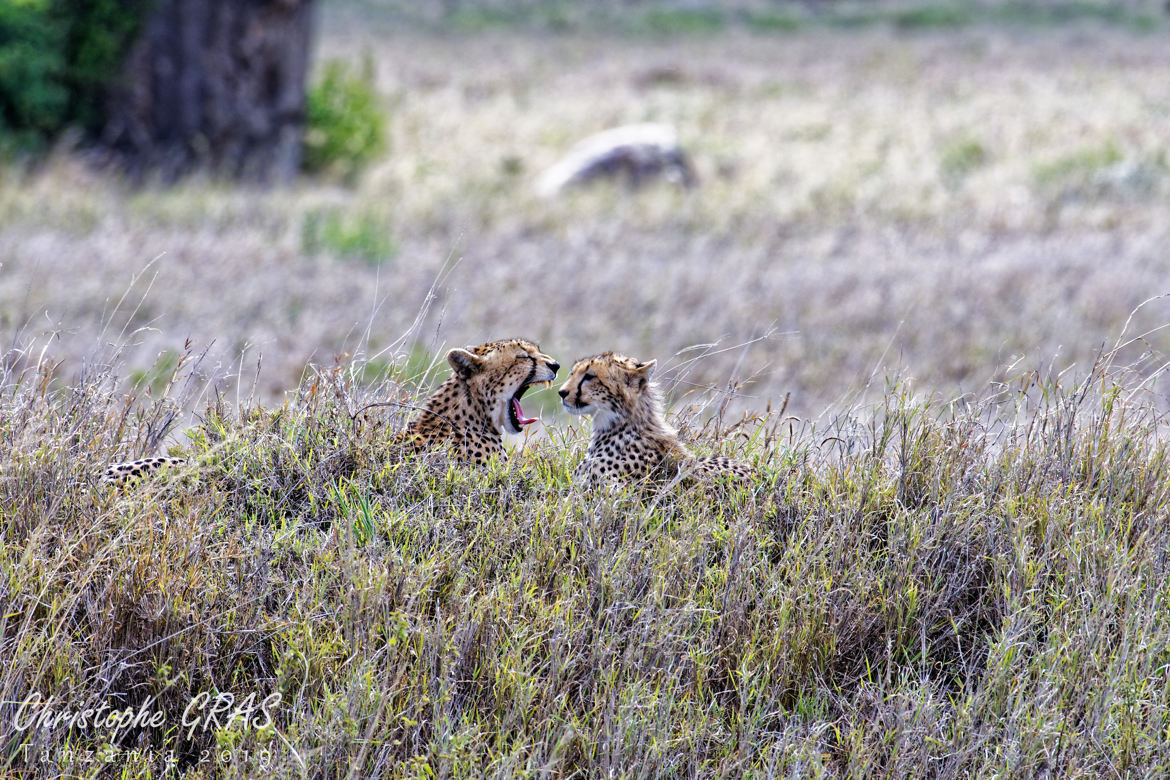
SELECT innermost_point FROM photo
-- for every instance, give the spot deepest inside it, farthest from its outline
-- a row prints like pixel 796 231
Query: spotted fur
pixel 470 411
pixel 128 472
pixel 631 438
pixel 480 402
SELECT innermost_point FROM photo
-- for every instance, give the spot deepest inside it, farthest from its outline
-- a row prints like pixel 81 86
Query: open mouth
pixel 516 412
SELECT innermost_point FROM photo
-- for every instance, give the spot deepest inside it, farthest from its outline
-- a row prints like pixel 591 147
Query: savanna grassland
pixel 949 207
pixel 917 288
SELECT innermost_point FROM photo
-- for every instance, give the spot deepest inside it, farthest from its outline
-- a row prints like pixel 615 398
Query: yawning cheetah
pixel 481 400
pixel 470 411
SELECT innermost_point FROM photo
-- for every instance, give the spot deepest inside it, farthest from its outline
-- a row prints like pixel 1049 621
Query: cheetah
pixel 470 411
pixel 481 400
pixel 127 472
pixel 631 438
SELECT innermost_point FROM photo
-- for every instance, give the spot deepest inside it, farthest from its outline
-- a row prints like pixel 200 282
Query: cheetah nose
pixel 562 392
pixel 555 366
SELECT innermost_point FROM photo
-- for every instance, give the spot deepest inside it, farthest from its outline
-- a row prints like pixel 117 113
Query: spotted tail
pixel 119 473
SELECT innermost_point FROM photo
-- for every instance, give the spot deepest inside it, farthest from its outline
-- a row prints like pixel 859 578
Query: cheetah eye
pixel 587 377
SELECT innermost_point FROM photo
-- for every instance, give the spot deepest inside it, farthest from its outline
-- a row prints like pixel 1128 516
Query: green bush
pixel 346 126
pixel 56 59
pixel 683 21
pixel 932 16
pixel 33 97
pixel 770 20
pixel 363 237
pixel 98 33
pixel 961 157
pixel 1078 166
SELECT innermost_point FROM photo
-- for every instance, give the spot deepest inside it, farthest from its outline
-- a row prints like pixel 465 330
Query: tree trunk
pixel 216 84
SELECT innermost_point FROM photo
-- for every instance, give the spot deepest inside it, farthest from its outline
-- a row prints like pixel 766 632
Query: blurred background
pixel 811 199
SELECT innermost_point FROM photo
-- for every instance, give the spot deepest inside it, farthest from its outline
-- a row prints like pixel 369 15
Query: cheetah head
pixel 608 386
pixel 499 373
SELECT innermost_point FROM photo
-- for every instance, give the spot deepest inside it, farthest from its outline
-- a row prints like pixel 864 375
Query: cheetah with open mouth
pixel 470 411
pixel 481 400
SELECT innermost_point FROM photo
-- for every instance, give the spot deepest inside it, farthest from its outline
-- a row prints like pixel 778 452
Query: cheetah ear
pixel 640 375
pixel 466 364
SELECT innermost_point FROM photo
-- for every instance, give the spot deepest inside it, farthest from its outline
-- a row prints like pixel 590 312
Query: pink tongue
pixel 520 413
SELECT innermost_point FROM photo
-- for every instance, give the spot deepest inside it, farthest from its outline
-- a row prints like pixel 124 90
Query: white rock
pixel 634 152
